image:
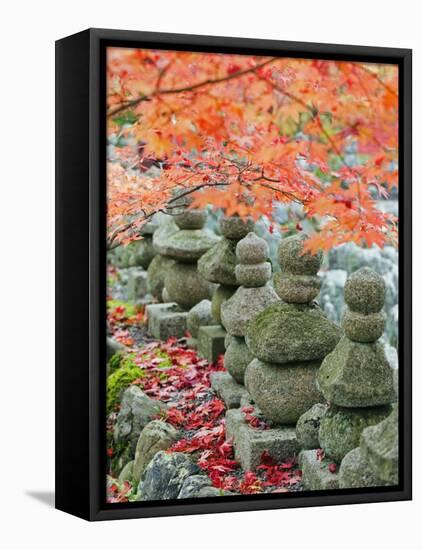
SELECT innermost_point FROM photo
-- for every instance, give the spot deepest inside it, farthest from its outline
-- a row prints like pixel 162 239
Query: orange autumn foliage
pixel 243 133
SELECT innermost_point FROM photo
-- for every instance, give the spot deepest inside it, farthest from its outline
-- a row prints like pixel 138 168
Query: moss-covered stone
pixel 221 294
pixel 380 447
pixel 357 375
pixel 185 286
pixel 341 428
pixel 156 273
pixel 191 219
pixel 307 427
pixel 355 472
pixel 316 474
pixel 218 264
pixel 244 305
pixel 296 289
pixel 363 328
pixel 237 358
pixel 156 436
pixel 252 250
pixel 253 275
pixel 282 393
pixel 292 258
pixel 364 291
pixel 136 410
pixel 235 228
pixel 186 245
pixel 284 333
pixel 120 379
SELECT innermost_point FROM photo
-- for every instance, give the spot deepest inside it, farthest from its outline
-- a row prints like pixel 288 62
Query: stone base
pixel 192 343
pixel 136 284
pixel 211 342
pixel 166 320
pixel 315 473
pixel 228 389
pixel 249 443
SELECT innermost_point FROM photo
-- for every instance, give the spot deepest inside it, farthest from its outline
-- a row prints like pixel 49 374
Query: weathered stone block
pixel 250 443
pixel 341 428
pixel 211 342
pixel 137 284
pixel 307 427
pixel 316 475
pixel 166 320
pixel 156 436
pixel 355 472
pixel 228 389
pixel 380 448
pixel 192 343
pixel 199 316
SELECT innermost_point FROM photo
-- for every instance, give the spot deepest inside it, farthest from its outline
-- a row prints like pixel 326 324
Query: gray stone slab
pixel 211 342
pixel 315 473
pixel 136 284
pixel 250 443
pixel 227 389
pixel 166 320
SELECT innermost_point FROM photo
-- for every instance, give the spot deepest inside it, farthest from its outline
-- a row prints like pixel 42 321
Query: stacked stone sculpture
pixel 356 378
pixel 289 339
pixel 173 275
pixel 253 295
pixel 184 285
pixel 218 264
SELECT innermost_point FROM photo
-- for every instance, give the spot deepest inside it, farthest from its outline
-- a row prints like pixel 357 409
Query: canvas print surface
pixel 252 275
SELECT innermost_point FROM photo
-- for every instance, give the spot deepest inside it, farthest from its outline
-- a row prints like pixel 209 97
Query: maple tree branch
pixel 190 88
pixel 111 244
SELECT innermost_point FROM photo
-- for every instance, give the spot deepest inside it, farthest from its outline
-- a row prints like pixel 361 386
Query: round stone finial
pixel 364 291
pixel 252 250
pixel 233 227
pixel 191 219
pixel 292 259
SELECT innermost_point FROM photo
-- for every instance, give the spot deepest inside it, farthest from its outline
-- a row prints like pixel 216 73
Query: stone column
pixel 289 339
pixel 356 379
pixel 184 287
pixel 253 272
pixel 218 266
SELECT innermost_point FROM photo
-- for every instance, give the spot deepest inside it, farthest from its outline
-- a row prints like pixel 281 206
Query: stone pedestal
pixel 166 320
pixel 210 343
pixel 316 474
pixel 250 443
pixel 137 284
pixel 228 390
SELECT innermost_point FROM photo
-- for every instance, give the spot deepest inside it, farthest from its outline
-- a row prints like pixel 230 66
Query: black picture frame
pixel 80 272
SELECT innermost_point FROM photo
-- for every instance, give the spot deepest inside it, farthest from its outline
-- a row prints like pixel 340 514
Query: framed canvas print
pixel 233 274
